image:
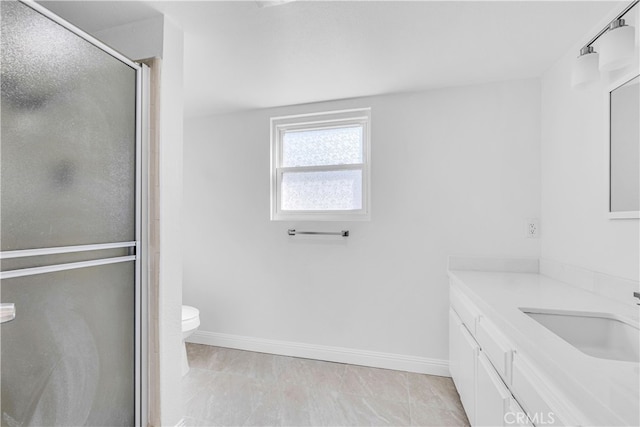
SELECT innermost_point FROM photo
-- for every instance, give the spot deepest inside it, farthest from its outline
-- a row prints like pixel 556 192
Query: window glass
pixel 321 147
pixel 317 191
pixel 320 166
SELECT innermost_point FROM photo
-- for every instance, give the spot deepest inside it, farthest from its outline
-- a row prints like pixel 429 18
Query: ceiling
pixel 241 55
pixel 94 16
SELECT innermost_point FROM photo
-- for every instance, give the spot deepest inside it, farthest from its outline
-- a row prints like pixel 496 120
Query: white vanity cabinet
pixel 480 362
pixel 511 369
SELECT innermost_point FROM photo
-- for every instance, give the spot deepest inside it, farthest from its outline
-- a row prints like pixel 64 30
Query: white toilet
pixel 190 323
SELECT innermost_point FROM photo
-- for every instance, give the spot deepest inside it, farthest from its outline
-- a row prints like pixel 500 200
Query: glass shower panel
pixel 67 178
pixel 68 356
pixel 68 137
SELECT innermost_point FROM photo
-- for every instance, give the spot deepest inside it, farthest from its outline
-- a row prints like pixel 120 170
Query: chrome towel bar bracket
pixel 343 233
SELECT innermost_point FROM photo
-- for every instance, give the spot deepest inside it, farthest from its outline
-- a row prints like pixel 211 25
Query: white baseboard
pixel 399 362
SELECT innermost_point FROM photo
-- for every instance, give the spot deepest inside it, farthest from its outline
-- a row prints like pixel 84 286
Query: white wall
pixel 454 171
pixel 575 229
pixel 171 226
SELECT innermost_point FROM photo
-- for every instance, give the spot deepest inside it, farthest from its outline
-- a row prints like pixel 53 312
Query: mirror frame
pixel 613 85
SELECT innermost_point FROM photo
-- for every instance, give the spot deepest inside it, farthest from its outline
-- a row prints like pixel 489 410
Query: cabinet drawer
pixel 464 308
pixel 530 390
pixel 496 346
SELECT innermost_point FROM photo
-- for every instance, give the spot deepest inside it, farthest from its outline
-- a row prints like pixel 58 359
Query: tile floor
pixel 242 388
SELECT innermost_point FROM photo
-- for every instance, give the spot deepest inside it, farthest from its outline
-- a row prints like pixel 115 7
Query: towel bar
pixel 343 233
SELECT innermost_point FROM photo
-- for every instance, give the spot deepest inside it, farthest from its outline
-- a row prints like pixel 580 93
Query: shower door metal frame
pixel 141 222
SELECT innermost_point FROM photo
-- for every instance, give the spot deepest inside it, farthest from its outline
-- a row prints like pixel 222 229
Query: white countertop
pixel 607 392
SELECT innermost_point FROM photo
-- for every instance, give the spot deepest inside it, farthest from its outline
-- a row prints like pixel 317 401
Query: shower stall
pixel 72 331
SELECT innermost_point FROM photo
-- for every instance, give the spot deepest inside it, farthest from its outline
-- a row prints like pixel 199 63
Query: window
pixel 320 166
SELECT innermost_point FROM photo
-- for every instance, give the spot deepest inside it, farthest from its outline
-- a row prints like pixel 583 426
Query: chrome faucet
pixel 637 295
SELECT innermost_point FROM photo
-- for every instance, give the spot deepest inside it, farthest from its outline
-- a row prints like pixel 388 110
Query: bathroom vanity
pixel 526 350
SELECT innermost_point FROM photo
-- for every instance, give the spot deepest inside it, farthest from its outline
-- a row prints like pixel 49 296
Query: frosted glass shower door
pixel 69 225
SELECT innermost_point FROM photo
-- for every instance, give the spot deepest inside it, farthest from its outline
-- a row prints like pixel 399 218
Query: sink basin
pixel 601 335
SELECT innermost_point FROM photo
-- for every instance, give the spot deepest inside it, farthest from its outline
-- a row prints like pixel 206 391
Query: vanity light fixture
pixel 617 46
pixel 617 49
pixel 585 69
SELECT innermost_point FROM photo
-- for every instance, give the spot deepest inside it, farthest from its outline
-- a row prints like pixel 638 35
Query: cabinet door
pixel 454 345
pixel 492 395
pixel 464 352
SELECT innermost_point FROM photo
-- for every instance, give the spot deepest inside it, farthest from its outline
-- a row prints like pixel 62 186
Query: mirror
pixel 624 148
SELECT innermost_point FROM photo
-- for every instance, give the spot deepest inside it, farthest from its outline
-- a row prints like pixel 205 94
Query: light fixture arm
pixel 613 21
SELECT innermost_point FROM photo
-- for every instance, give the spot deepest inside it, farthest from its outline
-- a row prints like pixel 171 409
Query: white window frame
pixel 323 120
